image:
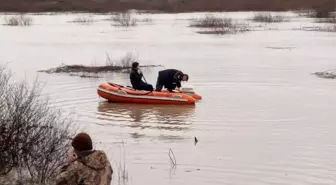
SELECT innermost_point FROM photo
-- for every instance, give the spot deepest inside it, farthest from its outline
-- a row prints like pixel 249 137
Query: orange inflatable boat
pixel 118 93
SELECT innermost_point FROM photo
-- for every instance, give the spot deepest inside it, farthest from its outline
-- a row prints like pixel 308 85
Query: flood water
pixel 264 119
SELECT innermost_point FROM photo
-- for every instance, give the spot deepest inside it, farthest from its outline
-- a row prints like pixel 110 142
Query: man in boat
pixel 170 79
pixel 136 79
pixel 85 166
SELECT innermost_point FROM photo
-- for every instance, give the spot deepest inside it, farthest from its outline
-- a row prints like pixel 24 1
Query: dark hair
pixel 135 64
pixel 186 76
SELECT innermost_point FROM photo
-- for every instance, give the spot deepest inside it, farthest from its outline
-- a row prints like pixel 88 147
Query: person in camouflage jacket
pixel 85 166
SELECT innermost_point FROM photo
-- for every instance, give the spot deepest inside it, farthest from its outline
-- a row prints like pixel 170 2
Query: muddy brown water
pixel 264 119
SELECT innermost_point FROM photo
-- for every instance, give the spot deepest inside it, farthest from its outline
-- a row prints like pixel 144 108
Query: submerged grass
pixel 327 20
pixel 83 20
pixel 172 158
pixel 122 167
pixel 218 25
pixel 210 21
pixel 330 74
pixel 225 30
pixel 268 18
pixel 327 28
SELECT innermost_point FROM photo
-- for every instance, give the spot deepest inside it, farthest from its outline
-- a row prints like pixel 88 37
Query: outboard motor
pixel 188 90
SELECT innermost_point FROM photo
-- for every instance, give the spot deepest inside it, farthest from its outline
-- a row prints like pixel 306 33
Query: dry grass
pixel 124 19
pixel 19 20
pixel 268 18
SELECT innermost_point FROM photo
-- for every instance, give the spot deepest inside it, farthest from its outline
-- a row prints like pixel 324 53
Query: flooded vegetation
pixel 268 18
pixel 217 25
pixel 330 74
pixel 125 19
pixel 83 20
pixel 124 65
pixel 18 20
pixel 34 136
pixel 263 118
pixel 321 6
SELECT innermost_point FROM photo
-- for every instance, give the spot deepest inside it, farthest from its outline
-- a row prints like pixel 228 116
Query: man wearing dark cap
pixel 85 165
pixel 170 79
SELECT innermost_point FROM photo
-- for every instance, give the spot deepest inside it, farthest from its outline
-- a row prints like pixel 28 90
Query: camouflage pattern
pixel 93 169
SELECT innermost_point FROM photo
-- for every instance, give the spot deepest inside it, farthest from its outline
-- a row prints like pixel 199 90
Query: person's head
pixel 82 142
pixel 185 77
pixel 135 65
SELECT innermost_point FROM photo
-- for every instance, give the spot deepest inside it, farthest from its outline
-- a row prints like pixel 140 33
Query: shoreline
pixel 171 6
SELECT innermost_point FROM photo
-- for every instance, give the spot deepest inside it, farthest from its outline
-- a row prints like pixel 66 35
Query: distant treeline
pixel 163 5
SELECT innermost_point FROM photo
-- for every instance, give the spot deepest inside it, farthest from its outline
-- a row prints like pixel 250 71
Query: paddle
pixel 143 76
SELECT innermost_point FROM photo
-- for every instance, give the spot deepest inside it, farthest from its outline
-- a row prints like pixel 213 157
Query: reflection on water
pixel 167 117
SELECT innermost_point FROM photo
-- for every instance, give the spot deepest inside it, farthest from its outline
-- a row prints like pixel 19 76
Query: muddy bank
pixel 162 6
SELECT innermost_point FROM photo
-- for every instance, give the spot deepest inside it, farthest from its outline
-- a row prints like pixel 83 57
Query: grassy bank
pixel 164 5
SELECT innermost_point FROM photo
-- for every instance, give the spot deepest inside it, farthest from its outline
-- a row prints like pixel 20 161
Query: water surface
pixel 264 119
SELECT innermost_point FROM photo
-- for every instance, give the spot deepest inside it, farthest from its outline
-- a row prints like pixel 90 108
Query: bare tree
pixel 34 136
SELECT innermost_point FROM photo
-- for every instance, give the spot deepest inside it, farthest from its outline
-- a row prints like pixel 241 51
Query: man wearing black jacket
pixel 136 79
pixel 170 79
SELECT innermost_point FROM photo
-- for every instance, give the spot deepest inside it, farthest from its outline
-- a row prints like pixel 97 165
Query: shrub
pixel 210 21
pixel 34 136
pixel 268 18
pixel 20 20
pixel 124 19
pixel 128 59
pixel 217 25
pixel 124 62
